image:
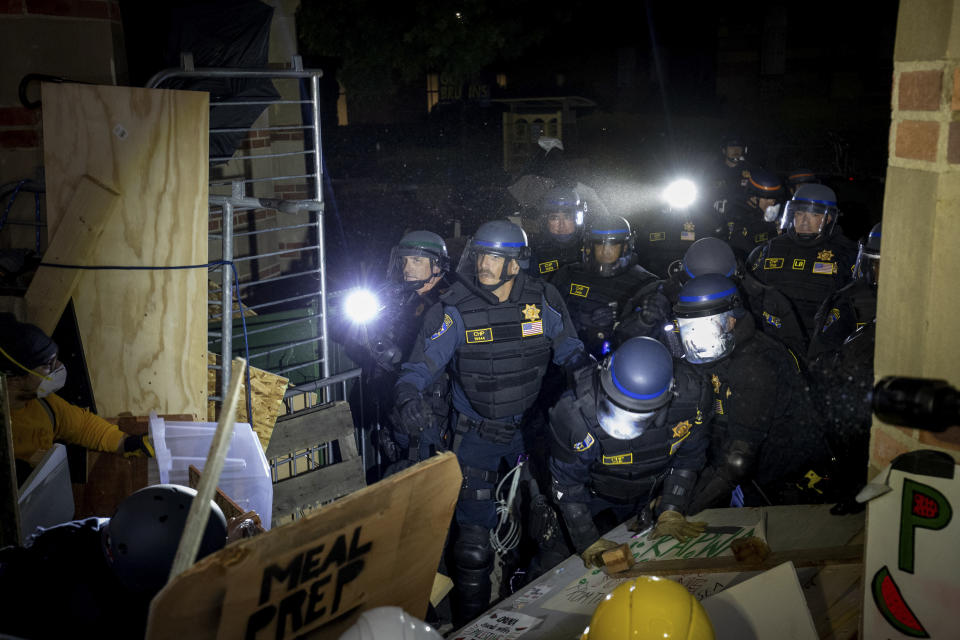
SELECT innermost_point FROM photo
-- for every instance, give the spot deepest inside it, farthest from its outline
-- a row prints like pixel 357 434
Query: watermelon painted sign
pixel 912 559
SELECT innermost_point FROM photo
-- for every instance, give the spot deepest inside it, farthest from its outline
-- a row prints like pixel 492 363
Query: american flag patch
pixel 532 328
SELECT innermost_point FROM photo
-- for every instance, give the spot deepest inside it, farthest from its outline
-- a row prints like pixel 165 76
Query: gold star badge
pixel 681 429
pixel 825 255
pixel 531 313
pixel 689 226
pixel 716 383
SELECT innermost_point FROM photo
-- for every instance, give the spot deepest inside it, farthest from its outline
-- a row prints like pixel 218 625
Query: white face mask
pixel 53 382
pixel 771 213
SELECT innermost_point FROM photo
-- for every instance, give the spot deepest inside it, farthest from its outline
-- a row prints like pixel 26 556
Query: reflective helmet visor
pixel 707 339
pixel 620 423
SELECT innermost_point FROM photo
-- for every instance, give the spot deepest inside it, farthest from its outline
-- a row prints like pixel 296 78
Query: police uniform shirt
pixel 444 333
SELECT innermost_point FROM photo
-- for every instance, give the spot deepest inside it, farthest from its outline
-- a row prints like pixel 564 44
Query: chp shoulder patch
pixel 444 326
pixel 584 444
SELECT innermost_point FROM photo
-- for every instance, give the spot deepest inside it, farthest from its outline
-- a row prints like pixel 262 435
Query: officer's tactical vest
pixel 627 470
pixel 549 257
pixel 806 275
pixel 588 291
pixel 502 363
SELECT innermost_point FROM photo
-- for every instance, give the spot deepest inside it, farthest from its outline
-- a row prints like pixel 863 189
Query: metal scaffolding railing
pixel 233 194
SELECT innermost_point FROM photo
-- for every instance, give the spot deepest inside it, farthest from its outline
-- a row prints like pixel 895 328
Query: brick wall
pixel 919 297
pixel 81 40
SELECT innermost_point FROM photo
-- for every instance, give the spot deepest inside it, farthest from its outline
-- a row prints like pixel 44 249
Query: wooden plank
pixel 150 146
pixel 801 558
pixel 90 209
pixel 317 486
pixel 196 525
pixel 9 505
pixel 308 428
pixel 379 546
pixel 266 399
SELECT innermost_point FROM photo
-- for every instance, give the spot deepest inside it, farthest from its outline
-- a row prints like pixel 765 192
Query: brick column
pixel 918 329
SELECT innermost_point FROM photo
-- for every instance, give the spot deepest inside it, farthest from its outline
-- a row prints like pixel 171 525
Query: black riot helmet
pixel 704 309
pixel 565 204
pixel 814 207
pixel 710 255
pixel 729 143
pixel 764 184
pixel 800 176
pixel 499 238
pixel 141 539
pixel 423 244
pixel 608 233
pixel 636 380
pixel 868 258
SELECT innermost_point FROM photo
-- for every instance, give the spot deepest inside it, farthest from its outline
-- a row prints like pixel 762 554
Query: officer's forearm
pixel 579 523
pixel 677 490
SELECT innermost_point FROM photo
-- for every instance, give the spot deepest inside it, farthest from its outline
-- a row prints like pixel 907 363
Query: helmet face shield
pixel 563 225
pixel 868 266
pixel 621 423
pixel 806 219
pixel 707 338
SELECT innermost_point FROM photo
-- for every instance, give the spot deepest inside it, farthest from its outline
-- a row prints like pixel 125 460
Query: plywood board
pixel 90 209
pixel 266 399
pixel 379 546
pixel 144 331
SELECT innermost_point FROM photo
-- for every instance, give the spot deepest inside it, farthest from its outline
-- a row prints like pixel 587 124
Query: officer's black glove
pixel 651 310
pixel 603 316
pixel 415 414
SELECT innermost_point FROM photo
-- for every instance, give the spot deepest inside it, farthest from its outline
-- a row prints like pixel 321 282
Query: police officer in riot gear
pixel 597 290
pixel 809 261
pixel 418 272
pixel 765 427
pixel 559 242
pixel 731 173
pixel 853 306
pixel 754 221
pixel 497 328
pixel 636 431
pixel 652 313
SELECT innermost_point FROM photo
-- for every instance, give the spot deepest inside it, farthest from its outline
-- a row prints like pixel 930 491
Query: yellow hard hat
pixel 648 608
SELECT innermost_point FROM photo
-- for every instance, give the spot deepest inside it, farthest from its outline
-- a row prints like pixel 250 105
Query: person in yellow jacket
pixel 28 358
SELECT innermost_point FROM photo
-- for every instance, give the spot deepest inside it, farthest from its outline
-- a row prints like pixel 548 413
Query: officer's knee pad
pixel 472 549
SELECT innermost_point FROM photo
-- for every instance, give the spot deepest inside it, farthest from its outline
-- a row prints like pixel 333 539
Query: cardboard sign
pixel 379 546
pixel 912 562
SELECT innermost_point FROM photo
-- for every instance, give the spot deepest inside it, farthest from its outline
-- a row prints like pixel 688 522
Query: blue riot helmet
pixel 498 238
pixel 811 214
pixel 868 258
pixel 706 310
pixel 636 380
pixel 414 274
pixel 710 255
pixel 562 213
pixel 608 245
